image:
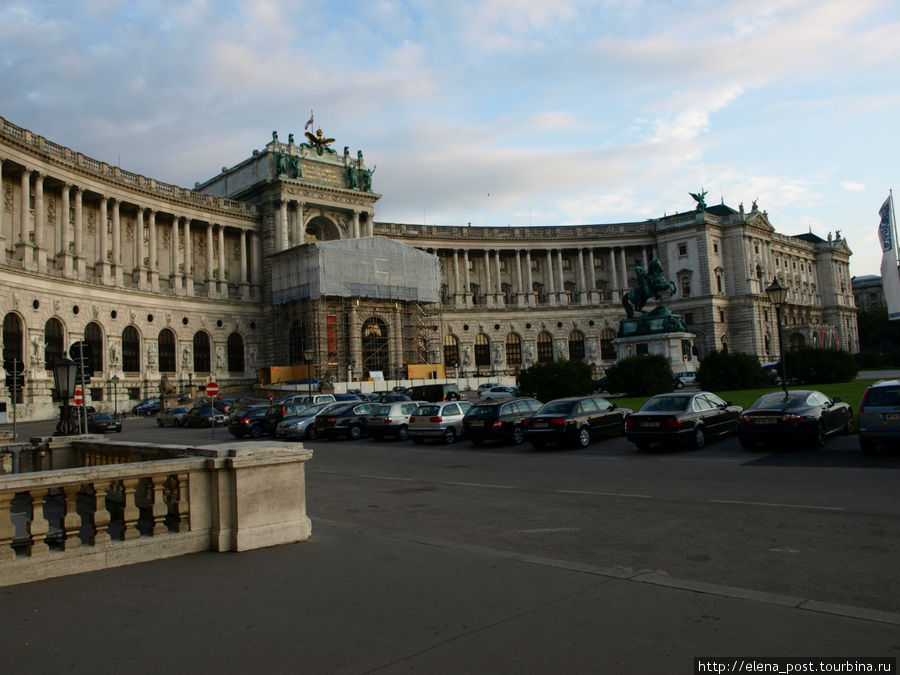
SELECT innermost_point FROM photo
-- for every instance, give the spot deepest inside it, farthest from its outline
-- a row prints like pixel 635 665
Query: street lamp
pixel 115 383
pixel 307 357
pixel 64 372
pixel 777 295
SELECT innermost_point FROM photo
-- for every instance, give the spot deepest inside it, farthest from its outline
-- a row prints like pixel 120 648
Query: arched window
pixel 513 350
pixel 93 335
pixel 54 345
pixel 235 353
pixel 451 351
pixel 201 352
pixel 12 337
pixel 166 351
pixel 482 350
pixel 607 349
pixel 544 347
pixel 131 350
pixel 375 346
pixel 576 345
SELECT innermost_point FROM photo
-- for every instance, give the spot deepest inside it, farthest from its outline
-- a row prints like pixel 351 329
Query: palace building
pixel 280 261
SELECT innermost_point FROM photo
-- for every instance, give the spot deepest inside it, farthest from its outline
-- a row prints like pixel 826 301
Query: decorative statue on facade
pixel 318 142
pixel 700 198
pixel 650 283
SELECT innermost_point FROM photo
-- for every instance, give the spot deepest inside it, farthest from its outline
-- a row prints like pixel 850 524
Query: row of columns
pixel 586 281
pixel 68 252
pixel 291 228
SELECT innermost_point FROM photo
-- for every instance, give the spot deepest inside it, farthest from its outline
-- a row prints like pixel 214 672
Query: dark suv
pixel 434 393
pixel 879 416
pixel 499 420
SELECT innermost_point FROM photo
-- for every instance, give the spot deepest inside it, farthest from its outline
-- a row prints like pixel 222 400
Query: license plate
pixel 650 424
pixel 892 416
pixel 765 420
pixel 476 424
pixel 539 425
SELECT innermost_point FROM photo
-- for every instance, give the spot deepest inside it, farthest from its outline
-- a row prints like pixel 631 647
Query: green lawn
pixel 851 392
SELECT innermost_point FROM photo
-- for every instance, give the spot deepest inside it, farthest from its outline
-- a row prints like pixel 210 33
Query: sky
pixel 492 112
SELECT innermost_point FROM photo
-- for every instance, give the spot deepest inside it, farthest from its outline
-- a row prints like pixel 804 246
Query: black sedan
pixel 204 417
pixel 499 420
pixel 100 423
pixel 681 419
pixel 801 415
pixel 574 420
pixel 250 422
pixel 345 421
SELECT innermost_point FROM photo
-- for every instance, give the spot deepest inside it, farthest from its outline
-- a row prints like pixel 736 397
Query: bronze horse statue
pixel 650 283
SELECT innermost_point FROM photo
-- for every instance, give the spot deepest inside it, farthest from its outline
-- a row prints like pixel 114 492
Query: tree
pixel 641 375
pixel 731 370
pixel 547 381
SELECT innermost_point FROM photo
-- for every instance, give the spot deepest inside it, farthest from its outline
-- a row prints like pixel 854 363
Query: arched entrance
pixel 376 346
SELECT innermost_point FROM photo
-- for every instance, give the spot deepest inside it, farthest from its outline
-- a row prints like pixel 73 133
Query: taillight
pixel 744 418
pixel 630 423
pixel 862 404
pixel 244 420
pixel 526 422
pixel 673 422
pixel 558 422
pixel 436 419
pixel 387 420
pixel 412 419
pixel 498 424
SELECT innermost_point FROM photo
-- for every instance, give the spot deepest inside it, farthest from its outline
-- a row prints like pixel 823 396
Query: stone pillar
pixel 468 280
pixel 457 295
pixel 501 301
pixel 79 233
pixel 223 281
pixel 188 258
pixel 40 224
pixel 140 269
pixel 613 277
pixel 370 224
pixel 551 287
pixel 563 299
pixel 582 291
pixel 520 292
pixel 154 253
pixel 488 295
pixel 24 247
pixel 63 252
pixel 592 292
pixel 3 240
pixel 301 228
pixel 117 243
pixel 529 279
pixel 103 228
pixel 210 271
pixel 245 287
pixel 175 276
pixel 355 233
pixel 624 269
pixel 283 243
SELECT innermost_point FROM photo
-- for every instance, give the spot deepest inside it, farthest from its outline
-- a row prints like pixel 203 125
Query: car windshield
pixel 556 408
pixel 779 401
pixel 668 403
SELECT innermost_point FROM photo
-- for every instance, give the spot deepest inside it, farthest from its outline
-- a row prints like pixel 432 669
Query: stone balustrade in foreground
pixel 105 504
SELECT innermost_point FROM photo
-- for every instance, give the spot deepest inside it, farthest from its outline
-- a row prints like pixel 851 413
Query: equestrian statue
pixel 650 283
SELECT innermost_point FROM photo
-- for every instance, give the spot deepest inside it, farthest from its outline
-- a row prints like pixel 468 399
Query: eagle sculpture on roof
pixel 318 142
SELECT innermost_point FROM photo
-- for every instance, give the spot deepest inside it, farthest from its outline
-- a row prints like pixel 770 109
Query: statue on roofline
pixel 700 198
pixel 318 142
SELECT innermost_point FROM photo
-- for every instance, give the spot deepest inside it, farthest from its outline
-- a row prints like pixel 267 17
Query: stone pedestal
pixel 672 345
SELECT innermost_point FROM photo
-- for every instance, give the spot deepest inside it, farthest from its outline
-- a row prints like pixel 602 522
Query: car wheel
pixel 418 441
pixel 518 435
pixel 256 431
pixel 449 436
pixel 402 433
pixel 819 438
pixel 310 433
pixel 679 384
pixel 584 437
pixel 355 432
pixel 699 437
pixel 848 424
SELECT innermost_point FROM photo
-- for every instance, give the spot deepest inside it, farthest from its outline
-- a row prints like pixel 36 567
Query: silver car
pixel 302 426
pixel 391 419
pixel 879 416
pixel 172 417
pixel 441 421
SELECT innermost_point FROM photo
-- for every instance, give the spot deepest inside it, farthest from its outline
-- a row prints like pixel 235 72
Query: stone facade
pixel 164 280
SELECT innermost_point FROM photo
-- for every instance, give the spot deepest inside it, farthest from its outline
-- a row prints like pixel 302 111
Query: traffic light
pixel 15 383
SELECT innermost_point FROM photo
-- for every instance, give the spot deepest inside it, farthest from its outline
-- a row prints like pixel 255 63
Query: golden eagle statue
pixel 318 142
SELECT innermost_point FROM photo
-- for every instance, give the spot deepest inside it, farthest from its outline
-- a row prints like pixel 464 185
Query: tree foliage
pixel 809 365
pixel 547 381
pixel 640 375
pixel 731 370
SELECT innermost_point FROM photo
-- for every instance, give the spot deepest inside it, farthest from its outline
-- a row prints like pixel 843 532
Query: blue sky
pixel 501 112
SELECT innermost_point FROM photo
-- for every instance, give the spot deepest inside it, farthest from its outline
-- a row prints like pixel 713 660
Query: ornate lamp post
pixel 115 383
pixel 308 355
pixel 64 372
pixel 777 295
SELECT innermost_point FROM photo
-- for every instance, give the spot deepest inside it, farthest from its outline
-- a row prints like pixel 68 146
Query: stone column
pixel 457 296
pixel 301 228
pixel 103 228
pixel 529 279
pixel 245 287
pixel 592 291
pixel 613 277
pixel 468 293
pixel 355 233
pixel 624 269
pixel 3 240
pixel 520 292
pixel 582 291
pixel 563 299
pixel 284 243
pixel 188 258
pixel 154 252
pixel 40 225
pixel 551 288
pixel 210 271
pixel 24 246
pixel 501 301
pixel 140 269
pixel 79 233
pixel 486 287
pixel 63 254
pixel 370 224
pixel 117 243
pixel 223 281
pixel 175 277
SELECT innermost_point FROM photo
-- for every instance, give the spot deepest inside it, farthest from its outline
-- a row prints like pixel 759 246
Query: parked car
pixel 350 397
pixel 348 420
pixel 681 418
pixel 800 416
pixel 441 420
pixel 432 393
pixel 603 385
pixel 390 397
pixel 306 398
pixel 149 406
pixel 204 416
pixel 171 417
pixel 100 423
pixel 487 385
pixel 577 420
pixel 245 405
pixel 497 392
pixel 879 415
pixel 391 419
pixel 400 389
pixel 302 425
pixel 249 422
pixel 685 379
pixel 281 411
pixel 499 420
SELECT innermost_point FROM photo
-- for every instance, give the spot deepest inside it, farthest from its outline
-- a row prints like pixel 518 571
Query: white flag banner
pixel 890 277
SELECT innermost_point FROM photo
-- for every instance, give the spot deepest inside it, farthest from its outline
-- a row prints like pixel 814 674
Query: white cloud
pixel 853 186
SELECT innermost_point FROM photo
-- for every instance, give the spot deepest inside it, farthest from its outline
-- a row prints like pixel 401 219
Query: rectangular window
pixel 688 318
pixel 686 287
pixel 682 249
